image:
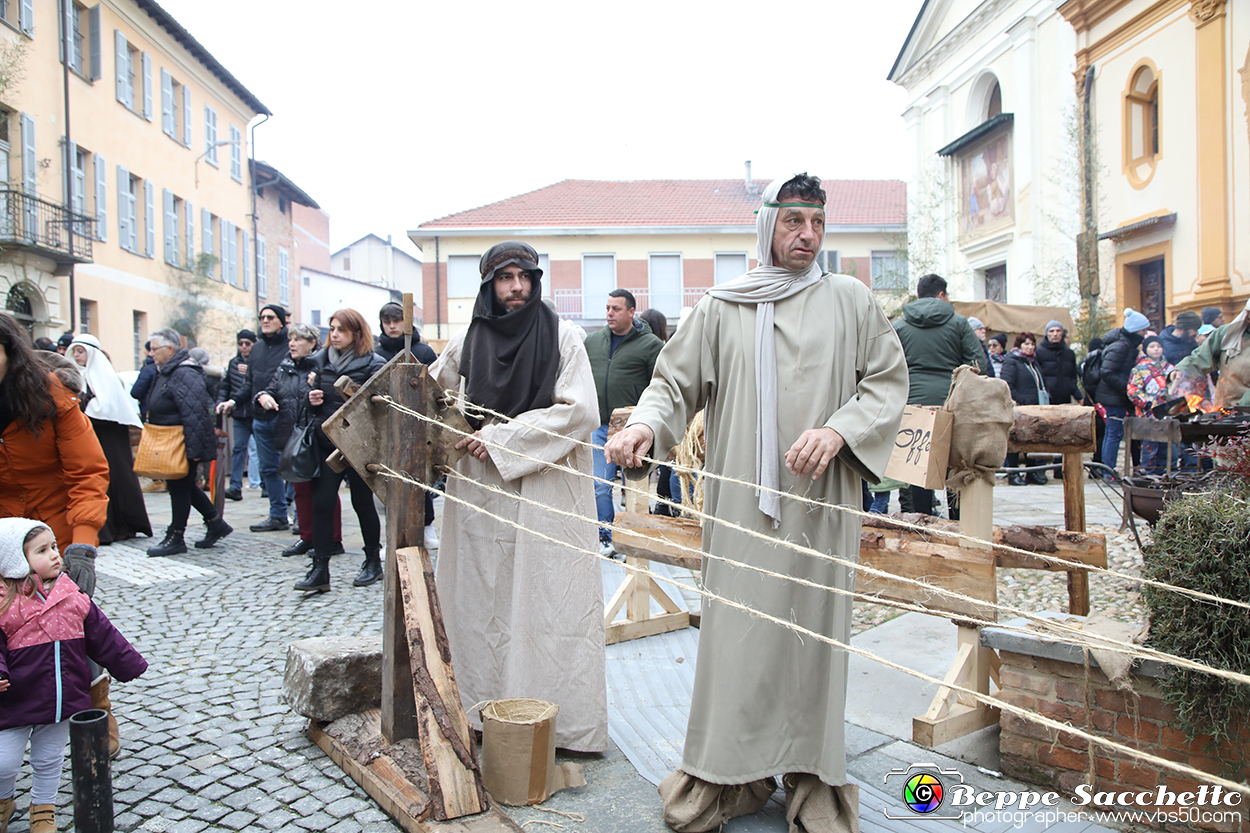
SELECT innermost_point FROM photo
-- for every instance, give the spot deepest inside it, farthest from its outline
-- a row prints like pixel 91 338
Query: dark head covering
pixel 390 311
pixel 1188 320
pixel 1095 343
pixel 510 359
pixel 246 334
pixel 65 340
pixel 1149 340
pixel 1001 338
pixel 1209 314
pixel 276 310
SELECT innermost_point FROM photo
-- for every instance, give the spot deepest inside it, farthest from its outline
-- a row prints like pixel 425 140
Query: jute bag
pixel 984 414
pixel 162 453
pixel 519 752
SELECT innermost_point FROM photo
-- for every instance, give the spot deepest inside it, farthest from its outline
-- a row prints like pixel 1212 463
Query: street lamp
pixel 208 149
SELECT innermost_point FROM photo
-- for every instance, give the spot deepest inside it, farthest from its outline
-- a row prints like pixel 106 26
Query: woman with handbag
pixel 179 398
pixel 108 405
pixel 287 393
pixel 349 353
pixel 51 466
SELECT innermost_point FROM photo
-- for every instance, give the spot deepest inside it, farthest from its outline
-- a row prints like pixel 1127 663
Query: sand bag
pixel 519 752
pixel 984 414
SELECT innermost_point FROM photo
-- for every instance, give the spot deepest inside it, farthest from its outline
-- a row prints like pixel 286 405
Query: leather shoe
pixel 270 524
pixel 234 493
pixel 1037 478
pixel 298 548
pixel 1015 479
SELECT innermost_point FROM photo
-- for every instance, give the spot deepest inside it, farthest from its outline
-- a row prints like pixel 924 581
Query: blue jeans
pixel 880 503
pixel 262 430
pixel 603 491
pixel 1115 434
pixel 239 456
pixel 253 464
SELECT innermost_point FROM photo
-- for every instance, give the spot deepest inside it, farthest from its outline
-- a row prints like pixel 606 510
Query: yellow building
pixel 161 232
pixel 666 241
pixel 1170 99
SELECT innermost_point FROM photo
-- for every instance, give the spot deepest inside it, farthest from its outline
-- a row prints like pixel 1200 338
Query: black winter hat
pixel 1188 320
pixel 276 310
pixel 246 334
pixel 65 340
pixel 1209 314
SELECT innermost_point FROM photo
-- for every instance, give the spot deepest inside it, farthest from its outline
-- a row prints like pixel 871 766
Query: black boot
pixel 318 578
pixel 1037 478
pixel 371 570
pixel 1016 479
pixel 217 529
pixel 172 545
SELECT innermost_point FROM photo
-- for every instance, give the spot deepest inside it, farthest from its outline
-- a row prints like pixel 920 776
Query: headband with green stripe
pixel 789 205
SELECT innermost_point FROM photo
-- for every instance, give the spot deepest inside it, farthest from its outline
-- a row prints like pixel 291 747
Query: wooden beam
pixel 447 742
pixel 659 538
pixel 1087 548
pixel 1074 521
pixel 1038 427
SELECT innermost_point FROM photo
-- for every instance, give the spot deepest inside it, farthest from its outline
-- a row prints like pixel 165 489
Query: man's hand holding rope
pixel 629 445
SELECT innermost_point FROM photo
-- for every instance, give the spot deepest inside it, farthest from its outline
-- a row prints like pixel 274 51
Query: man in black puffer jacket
pixel 180 397
pixel 264 359
pixel 1057 364
pixel 391 339
pixel 236 374
pixel 1119 354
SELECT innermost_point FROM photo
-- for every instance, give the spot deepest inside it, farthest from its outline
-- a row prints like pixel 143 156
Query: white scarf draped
pixel 111 401
pixel 1233 333
pixel 763 286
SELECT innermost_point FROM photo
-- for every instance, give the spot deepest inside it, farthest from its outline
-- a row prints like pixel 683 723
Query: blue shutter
pixel 97 58
pixel 186 115
pixel 190 235
pixel 30 178
pixel 123 208
pixel 149 212
pixel 26 17
pixel 121 60
pixel 147 86
pixel 171 226
pixel 232 240
pixel 167 103
pixel 101 199
pixel 68 160
pixel 206 233
pixel 62 28
pixel 262 268
pixel 247 263
pixel 236 154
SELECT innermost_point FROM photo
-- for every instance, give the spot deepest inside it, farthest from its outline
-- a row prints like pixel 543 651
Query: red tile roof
pixel 584 203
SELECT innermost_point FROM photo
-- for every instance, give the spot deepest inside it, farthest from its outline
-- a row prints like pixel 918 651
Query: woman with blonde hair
pixel 349 353
pixel 112 412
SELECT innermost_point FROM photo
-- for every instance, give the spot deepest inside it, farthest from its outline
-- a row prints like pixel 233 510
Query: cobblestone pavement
pixel 207 741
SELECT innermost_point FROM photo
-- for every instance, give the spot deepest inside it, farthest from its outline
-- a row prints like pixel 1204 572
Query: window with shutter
pixel 149 216
pixel 598 279
pixel 94 25
pixel 121 59
pixel 79 190
pixel 190 212
pixel 284 286
pixel 30 175
pixel 146 65
pixel 210 135
pixel 247 262
pixel 75 36
pixel 26 17
pixel 167 103
pixel 101 199
pixel 123 207
pixel 171 223
pixel 206 235
pixel 729 265
pixel 232 240
pixel 665 277
pixel 236 154
pixel 186 115
pixel 221 248
pixel 262 268
pixel 132 213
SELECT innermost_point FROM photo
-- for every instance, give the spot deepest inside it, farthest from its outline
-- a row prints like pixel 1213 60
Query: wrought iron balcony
pixel 27 222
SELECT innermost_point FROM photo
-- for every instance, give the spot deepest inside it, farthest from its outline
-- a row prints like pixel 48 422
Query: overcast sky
pixel 393 113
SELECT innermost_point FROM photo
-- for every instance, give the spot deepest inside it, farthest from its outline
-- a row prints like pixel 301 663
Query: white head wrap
pixel 763 286
pixel 1233 332
pixel 13 531
pixel 111 401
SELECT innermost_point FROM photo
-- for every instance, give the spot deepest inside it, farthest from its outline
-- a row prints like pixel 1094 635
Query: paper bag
pixel 921 448
pixel 519 752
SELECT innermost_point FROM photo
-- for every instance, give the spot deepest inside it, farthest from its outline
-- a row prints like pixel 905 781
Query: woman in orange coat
pixel 52 468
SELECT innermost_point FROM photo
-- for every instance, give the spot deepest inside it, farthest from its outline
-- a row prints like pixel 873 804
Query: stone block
pixel 330 678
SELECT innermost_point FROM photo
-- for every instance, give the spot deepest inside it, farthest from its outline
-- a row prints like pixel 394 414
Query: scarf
pixel 339 361
pixel 510 359
pixel 1233 332
pixel 763 286
pixel 110 401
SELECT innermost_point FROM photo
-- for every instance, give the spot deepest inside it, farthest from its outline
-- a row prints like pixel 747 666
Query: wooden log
pixel 659 538
pixel 617 420
pixel 1087 548
pixel 447 742
pixel 1041 428
pixel 1074 521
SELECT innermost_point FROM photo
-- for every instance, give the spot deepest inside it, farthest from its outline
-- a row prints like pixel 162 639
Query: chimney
pixel 750 187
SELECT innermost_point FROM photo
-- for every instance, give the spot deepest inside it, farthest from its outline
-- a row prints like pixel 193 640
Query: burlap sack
pixel 519 752
pixel 813 806
pixel 692 805
pixel 983 413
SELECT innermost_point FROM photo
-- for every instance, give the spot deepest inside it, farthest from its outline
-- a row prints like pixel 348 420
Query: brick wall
pixel 1140 719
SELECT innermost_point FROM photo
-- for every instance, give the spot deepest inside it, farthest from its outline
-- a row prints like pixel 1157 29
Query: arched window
pixel 995 105
pixel 20 307
pixel 1141 124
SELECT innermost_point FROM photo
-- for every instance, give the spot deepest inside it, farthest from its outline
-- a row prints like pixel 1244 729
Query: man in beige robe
pixel 804 382
pixel 524 615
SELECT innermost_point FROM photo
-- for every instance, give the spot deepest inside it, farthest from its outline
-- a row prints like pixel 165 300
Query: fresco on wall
pixel 985 184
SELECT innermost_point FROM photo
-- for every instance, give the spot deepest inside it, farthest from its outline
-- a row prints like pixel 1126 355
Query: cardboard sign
pixel 922 448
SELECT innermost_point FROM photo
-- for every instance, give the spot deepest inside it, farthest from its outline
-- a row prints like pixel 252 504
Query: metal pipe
pixel 438 300
pixel 251 149
pixel 89 762
pixel 67 45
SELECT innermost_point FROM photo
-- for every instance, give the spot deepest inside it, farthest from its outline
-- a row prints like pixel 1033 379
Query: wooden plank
pixel 638 602
pixel 659 538
pixel 1074 521
pixel 385 782
pixel 962 720
pixel 966 571
pixel 663 623
pixel 447 741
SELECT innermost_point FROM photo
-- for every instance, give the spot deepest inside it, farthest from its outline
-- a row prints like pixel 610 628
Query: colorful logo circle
pixel 923 793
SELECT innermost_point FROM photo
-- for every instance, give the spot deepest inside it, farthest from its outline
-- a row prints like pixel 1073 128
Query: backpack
pixel 1091 372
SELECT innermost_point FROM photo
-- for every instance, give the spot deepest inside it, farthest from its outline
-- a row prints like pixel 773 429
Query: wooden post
pixel 1074 521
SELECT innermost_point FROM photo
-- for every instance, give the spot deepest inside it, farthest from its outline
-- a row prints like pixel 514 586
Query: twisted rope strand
pixel 1174 766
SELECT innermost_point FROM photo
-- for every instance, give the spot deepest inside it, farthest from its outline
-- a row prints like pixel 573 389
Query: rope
pixel 1076 565
pixel 1174 766
pixel 1068 631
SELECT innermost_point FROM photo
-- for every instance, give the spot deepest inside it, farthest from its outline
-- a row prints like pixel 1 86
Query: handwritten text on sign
pixel 922 447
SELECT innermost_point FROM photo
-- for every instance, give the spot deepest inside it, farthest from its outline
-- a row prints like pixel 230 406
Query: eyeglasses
pixel 269 318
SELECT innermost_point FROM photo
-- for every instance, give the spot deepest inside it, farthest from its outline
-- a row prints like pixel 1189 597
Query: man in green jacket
pixel 1222 347
pixel 936 340
pixel 622 358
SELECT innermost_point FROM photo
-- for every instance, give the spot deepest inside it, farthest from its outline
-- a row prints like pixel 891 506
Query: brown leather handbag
pixel 162 453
